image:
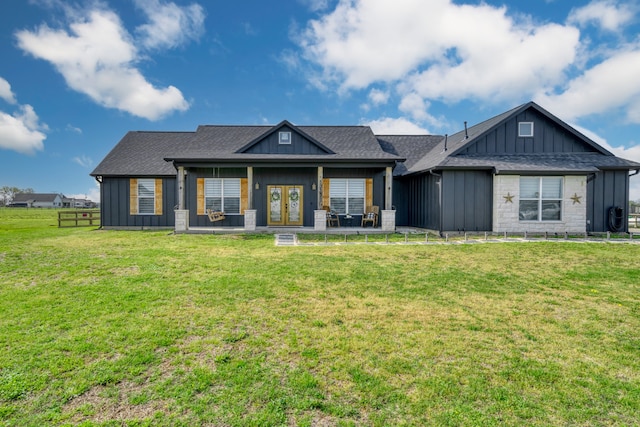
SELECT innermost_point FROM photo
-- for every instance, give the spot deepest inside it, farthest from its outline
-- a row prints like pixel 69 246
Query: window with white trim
pixel 146 196
pixel 540 198
pixel 222 194
pixel 347 196
pixel 525 129
pixel 284 137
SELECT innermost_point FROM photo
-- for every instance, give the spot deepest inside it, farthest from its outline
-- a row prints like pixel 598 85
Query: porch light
pixel 313 186
pixel 257 186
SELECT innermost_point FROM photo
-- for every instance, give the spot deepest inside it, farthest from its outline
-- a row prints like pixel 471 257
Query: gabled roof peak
pixel 282 125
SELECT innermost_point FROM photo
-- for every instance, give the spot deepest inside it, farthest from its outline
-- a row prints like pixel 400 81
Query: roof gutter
pixel 635 173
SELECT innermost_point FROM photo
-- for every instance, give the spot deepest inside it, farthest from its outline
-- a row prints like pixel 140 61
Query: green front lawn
pixel 150 328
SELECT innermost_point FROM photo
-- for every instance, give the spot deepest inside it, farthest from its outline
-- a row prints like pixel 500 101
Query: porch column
pixel 181 216
pixel 180 187
pixel 388 189
pixel 319 187
pixel 250 187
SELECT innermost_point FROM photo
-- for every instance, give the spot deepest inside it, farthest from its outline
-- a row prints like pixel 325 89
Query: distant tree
pixel 7 193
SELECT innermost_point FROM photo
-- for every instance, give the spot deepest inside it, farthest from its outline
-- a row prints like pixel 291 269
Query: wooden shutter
pixel 244 194
pixel 325 192
pixel 133 196
pixel 368 192
pixel 158 201
pixel 200 196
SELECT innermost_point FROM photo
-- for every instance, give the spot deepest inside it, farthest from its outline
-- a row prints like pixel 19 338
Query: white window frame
pixel 521 134
pixel 146 191
pixel 284 138
pixel 541 199
pixel 350 207
pixel 229 188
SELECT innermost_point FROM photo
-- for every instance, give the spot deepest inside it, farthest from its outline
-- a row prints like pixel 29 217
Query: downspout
pixel 635 173
pixel 439 176
pixel 98 178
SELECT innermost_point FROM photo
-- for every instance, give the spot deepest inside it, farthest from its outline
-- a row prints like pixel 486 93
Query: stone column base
pixel 388 220
pixel 181 220
pixel 320 220
pixel 250 220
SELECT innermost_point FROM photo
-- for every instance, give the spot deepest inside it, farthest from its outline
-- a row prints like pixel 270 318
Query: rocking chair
pixel 370 216
pixel 333 220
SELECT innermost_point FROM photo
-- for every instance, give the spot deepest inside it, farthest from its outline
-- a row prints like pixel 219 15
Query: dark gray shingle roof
pixel 439 158
pixel 565 163
pixel 225 142
pixel 456 142
pixel 36 197
pixel 411 147
pixel 142 154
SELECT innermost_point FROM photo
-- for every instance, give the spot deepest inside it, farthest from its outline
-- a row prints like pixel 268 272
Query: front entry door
pixel 284 205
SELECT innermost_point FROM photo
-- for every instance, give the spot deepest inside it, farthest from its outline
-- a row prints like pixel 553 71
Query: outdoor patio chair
pixel 370 216
pixel 333 220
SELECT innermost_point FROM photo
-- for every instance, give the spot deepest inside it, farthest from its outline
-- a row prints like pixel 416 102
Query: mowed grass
pixel 150 328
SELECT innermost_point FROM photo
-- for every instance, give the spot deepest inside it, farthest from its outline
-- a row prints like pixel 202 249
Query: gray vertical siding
pixel 114 208
pixel 548 137
pixel 417 200
pixel 606 189
pixel 299 145
pixel 467 200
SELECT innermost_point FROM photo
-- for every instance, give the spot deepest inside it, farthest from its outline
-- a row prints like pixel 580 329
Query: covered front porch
pixel 386 223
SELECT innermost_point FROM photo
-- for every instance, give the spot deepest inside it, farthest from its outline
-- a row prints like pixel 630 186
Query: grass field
pixel 150 328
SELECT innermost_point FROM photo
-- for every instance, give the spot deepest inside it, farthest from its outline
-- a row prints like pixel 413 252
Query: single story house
pixel 37 200
pixel 71 202
pixel 523 170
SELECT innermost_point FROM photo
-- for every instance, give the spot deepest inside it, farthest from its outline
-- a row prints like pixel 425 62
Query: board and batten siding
pixel 606 189
pixel 116 201
pixel 298 145
pixel 417 201
pixel 467 200
pixel 548 137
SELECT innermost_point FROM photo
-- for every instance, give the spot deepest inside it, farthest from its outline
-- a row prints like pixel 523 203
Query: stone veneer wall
pixel 505 214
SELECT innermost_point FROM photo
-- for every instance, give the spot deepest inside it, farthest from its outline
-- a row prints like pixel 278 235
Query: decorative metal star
pixel 508 198
pixel 576 198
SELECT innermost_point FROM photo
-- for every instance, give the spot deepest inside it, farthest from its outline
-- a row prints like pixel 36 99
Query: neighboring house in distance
pixel 523 170
pixel 37 200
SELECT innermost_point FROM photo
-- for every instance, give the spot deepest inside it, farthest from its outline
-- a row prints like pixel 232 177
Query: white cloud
pixel 606 14
pixel 21 132
pixel 170 25
pixel 378 97
pixel 611 84
pixel 397 126
pixel 84 161
pixel 92 194
pixel 416 106
pixel 97 58
pixel 440 49
pixel 5 91
pixel 74 129
pixel 315 5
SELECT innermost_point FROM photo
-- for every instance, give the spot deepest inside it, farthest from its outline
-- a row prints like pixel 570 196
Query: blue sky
pixel 76 76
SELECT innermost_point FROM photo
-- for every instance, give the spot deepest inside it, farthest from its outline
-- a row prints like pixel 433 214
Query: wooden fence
pixel 81 218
